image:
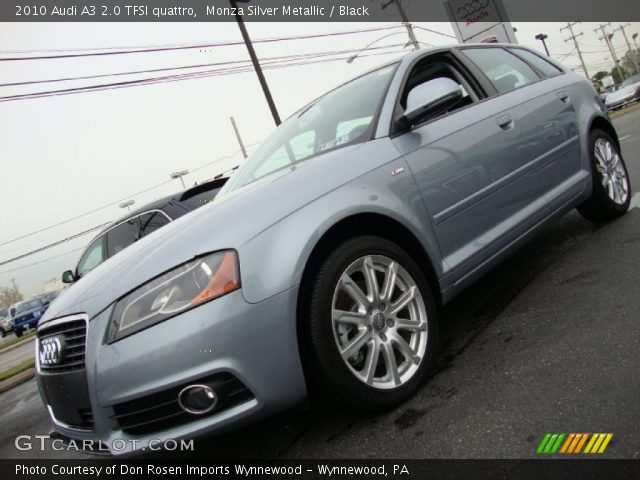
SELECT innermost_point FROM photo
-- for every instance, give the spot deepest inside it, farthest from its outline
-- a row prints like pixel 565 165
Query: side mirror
pixel 68 277
pixel 429 99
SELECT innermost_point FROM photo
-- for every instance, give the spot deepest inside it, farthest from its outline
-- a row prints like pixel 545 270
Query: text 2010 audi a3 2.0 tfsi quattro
pixel 324 259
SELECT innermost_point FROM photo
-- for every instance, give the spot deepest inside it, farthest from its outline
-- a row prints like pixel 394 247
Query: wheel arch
pixel 357 224
pixel 602 123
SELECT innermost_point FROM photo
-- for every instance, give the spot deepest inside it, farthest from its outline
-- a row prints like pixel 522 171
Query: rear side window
pixel 120 237
pixel 505 71
pixel 546 68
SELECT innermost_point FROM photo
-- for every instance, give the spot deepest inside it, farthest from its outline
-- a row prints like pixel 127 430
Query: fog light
pixel 197 399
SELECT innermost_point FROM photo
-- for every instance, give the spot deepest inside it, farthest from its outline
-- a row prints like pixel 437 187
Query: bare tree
pixel 9 296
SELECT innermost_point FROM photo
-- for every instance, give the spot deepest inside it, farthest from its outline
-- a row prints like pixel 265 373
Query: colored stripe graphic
pixel 598 443
pixel 550 443
pixel 573 443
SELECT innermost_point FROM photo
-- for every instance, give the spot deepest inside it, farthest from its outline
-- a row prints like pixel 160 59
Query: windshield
pixel 631 81
pixel 344 116
pixel 24 306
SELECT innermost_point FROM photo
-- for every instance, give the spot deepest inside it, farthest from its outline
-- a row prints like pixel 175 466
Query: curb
pixel 16 345
pixel 17 379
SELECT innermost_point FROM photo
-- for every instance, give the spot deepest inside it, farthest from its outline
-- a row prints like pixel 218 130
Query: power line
pixel 168 181
pixel 186 67
pixel 191 47
pixel 173 78
pixel 42 261
pixel 434 31
pixel 118 201
pixel 59 242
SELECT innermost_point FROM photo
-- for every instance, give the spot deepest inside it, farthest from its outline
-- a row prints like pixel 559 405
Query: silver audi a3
pixel 321 265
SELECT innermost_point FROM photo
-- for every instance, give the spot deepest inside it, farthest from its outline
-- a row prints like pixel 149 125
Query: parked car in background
pixel 322 264
pixel 5 322
pixel 140 223
pixel 26 314
pixel 627 92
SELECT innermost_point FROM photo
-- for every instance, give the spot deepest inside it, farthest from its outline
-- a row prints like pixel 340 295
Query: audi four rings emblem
pixel 50 351
pixel 472 7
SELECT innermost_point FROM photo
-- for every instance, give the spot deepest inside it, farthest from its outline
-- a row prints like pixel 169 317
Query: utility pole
pixel 634 36
pixel 575 42
pixel 235 129
pixel 405 22
pixel 606 36
pixel 634 54
pixel 255 61
pixel 542 37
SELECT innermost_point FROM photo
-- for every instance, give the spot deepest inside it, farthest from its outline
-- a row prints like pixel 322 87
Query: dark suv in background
pixel 140 223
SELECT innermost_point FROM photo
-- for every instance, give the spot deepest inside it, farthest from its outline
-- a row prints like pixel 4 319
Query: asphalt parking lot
pixel 548 342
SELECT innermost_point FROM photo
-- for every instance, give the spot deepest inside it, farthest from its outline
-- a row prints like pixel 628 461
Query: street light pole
pixel 255 61
pixel 179 175
pixel 542 37
pixel 127 204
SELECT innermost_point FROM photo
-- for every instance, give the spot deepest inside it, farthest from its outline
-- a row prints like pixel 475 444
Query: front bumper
pixel 226 340
pixel 31 323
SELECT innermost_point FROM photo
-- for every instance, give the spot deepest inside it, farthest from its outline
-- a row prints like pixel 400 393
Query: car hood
pixel 228 222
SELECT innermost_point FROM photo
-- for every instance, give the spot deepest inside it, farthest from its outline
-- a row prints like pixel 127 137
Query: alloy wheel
pixel 611 171
pixel 379 322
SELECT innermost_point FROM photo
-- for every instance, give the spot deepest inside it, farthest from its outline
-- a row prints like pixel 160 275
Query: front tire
pixel 370 324
pixel 18 333
pixel 611 194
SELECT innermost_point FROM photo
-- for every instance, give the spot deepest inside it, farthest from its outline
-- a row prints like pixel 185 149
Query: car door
pixel 553 138
pixel 547 118
pixel 470 166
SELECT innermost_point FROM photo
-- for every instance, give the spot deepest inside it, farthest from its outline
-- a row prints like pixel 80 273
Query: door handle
pixel 505 122
pixel 564 96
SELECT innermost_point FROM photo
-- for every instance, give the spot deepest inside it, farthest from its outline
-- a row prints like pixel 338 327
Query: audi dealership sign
pixel 480 21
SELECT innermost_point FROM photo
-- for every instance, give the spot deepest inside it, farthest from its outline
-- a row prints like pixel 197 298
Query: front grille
pixel 74 335
pixel 24 319
pixel 87 418
pixel 160 411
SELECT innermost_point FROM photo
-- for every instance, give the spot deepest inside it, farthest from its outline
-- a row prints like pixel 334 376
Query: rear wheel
pixel 18 333
pixel 611 193
pixel 371 324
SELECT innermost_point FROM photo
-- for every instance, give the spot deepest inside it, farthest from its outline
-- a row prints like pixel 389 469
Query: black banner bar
pixel 105 469
pixel 310 10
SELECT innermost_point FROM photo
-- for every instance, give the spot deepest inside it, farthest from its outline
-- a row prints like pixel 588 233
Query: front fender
pixel 274 260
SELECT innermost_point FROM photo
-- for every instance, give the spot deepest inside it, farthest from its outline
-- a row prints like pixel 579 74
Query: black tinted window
pixel 548 69
pixel 123 235
pixel 505 71
pixel 150 222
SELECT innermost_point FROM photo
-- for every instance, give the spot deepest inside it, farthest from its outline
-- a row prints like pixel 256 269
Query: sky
pixel 64 156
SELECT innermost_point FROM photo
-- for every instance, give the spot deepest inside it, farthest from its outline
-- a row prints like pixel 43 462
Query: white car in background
pixel 628 92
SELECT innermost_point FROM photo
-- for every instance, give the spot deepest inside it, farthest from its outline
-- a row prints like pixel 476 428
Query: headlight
pixel 175 292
